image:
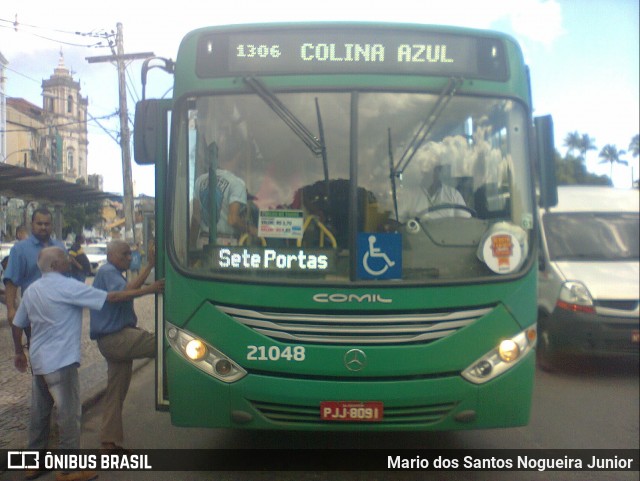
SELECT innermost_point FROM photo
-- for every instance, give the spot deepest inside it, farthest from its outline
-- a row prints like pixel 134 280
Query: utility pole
pixel 125 135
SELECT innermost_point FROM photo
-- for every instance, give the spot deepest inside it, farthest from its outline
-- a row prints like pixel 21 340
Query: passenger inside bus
pixel 327 201
pixel 230 197
pixel 423 202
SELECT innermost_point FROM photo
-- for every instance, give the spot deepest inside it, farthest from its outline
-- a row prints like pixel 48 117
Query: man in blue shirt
pixel 52 307
pixel 22 269
pixel 119 339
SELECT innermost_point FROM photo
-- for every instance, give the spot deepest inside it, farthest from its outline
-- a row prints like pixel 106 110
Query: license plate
pixel 358 411
pixel 635 336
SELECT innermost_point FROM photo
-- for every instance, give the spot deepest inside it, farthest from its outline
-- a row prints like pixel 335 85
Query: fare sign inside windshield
pixel 338 50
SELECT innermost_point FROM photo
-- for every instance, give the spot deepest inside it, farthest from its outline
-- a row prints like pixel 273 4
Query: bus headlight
pixel 195 349
pixel 203 356
pixel 502 358
pixel 509 350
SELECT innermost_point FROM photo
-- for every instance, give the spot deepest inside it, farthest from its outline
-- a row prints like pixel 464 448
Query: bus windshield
pixel 335 186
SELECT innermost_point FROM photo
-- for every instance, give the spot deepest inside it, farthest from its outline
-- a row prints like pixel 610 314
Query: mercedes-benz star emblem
pixel 355 360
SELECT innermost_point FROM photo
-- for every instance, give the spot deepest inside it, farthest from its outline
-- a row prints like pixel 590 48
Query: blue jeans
pixel 62 388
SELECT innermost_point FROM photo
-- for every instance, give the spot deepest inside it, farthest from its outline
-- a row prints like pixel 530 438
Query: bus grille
pixel 355 328
pixel 393 416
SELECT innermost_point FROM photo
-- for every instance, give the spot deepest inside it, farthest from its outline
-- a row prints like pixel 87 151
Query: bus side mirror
pixel 150 131
pixel 546 161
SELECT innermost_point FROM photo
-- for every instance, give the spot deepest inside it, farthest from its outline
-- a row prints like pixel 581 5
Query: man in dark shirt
pixel 119 339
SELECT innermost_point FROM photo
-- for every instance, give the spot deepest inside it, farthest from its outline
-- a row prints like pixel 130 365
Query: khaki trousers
pixel 120 349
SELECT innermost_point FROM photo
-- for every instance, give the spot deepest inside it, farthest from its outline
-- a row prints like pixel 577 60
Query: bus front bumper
pixel 275 402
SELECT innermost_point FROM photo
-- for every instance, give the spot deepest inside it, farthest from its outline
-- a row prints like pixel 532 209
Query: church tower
pixel 65 110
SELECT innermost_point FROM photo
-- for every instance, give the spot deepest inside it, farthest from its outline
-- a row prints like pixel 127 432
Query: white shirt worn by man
pixel 422 200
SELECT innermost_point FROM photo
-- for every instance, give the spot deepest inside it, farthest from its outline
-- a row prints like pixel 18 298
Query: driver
pixel 430 193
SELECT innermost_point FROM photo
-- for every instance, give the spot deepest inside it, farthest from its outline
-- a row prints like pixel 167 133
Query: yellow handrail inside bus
pixel 323 231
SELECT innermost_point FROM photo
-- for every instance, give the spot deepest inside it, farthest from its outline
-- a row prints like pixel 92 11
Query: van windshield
pixel 592 236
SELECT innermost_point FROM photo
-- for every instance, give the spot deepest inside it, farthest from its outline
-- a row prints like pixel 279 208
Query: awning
pixel 29 184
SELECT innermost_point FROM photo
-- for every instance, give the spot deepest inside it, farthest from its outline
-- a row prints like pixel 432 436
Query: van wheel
pixel 546 355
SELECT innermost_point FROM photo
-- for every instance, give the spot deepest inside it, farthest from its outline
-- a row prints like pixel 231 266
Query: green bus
pixel 367 258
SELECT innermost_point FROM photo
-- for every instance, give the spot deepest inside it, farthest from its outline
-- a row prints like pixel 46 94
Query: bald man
pixel 119 339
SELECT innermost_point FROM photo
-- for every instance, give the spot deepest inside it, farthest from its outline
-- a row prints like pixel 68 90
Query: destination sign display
pixel 277 259
pixel 350 51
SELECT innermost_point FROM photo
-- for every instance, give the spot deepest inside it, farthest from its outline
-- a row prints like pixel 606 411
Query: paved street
pixel 15 387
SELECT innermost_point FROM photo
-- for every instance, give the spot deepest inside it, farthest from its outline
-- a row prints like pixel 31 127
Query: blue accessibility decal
pixel 379 255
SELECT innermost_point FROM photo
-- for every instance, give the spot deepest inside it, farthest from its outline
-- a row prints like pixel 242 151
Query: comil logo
pixel 23 459
pixel 340 298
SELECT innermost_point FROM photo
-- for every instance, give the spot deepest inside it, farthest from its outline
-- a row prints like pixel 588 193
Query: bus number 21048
pixel 275 353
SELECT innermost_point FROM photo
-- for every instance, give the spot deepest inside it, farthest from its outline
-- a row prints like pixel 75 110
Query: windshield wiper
pixel 323 153
pixel 425 129
pixel 316 146
pixel 288 117
pixel 392 175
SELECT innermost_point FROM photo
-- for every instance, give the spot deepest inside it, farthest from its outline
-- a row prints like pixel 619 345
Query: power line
pixel 60 41
pixel 15 24
pixel 131 86
pixel 120 58
pixel 25 28
pixel 110 133
pixel 21 74
pixel 65 124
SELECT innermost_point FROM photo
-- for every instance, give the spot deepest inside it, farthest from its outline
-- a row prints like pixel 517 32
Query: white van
pixel 588 283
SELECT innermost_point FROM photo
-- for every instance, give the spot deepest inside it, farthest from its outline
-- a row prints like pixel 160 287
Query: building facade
pixel 53 138
pixel 3 108
pixel 66 109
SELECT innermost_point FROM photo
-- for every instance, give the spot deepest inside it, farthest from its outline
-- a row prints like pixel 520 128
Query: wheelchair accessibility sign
pixel 379 256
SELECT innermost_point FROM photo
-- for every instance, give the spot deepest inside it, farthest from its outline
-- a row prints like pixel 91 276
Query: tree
pixel 572 142
pixel 572 170
pixel 611 154
pixel 633 146
pixel 585 144
pixel 78 216
pixel 633 150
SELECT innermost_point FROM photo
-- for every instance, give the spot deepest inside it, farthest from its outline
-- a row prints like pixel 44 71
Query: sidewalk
pixel 15 387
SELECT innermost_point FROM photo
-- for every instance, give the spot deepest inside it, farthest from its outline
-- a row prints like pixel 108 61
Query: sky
pixel 583 57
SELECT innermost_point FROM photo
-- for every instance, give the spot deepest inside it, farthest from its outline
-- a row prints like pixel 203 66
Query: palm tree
pixel 633 150
pixel 633 146
pixel 572 142
pixel 611 154
pixel 585 144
